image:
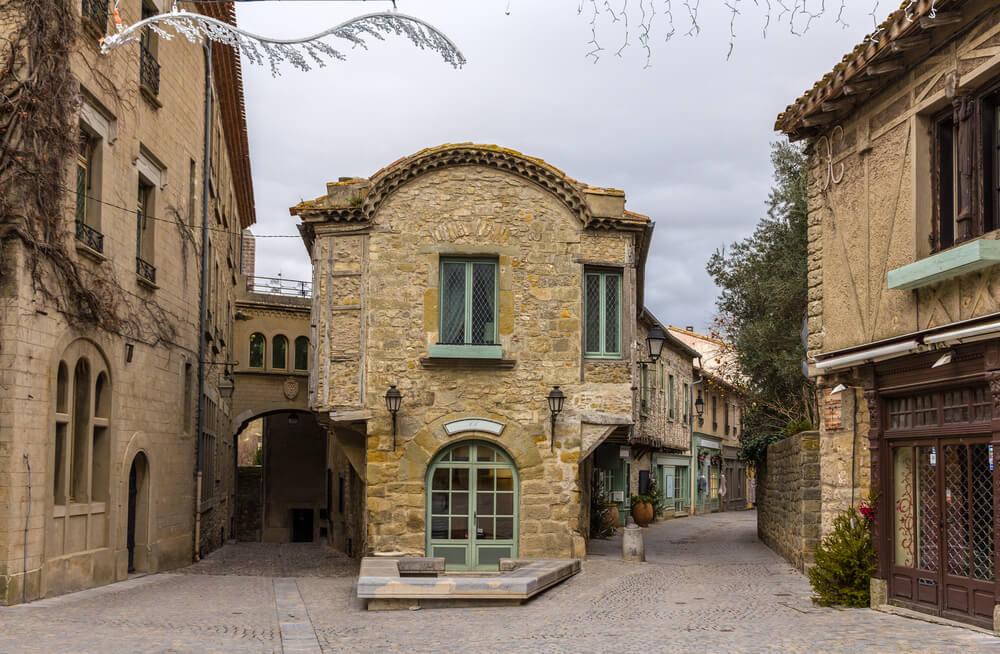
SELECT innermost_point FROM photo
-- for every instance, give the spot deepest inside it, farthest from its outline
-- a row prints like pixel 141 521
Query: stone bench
pixel 386 583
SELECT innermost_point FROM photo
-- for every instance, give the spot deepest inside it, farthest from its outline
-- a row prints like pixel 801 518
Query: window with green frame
pixel 602 312
pixel 468 314
pixel 670 397
pixel 644 377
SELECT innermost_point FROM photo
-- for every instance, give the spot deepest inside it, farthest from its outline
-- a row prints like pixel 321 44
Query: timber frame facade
pixel 904 310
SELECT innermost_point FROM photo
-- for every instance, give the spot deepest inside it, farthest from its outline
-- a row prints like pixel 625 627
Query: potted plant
pixel 642 509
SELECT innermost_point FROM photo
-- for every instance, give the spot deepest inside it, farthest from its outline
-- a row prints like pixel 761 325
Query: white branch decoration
pixel 298 52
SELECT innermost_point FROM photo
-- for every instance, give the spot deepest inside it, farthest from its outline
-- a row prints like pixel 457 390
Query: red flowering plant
pixel 867 510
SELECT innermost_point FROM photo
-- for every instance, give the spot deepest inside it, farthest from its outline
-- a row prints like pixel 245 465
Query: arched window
pixel 257 346
pixel 302 353
pixel 279 352
pixel 82 445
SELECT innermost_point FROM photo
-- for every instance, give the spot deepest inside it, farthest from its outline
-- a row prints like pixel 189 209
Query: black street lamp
pixel 654 341
pixel 556 399
pixel 699 406
pixel 393 399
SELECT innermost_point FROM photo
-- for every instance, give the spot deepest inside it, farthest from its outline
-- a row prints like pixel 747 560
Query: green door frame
pixel 474 547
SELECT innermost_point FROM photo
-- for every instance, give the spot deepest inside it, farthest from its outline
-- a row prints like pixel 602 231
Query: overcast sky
pixel 688 138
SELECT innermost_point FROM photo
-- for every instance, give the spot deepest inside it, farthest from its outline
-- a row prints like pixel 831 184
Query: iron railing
pixel 149 70
pixel 279 286
pixel 145 270
pixel 96 11
pixel 89 236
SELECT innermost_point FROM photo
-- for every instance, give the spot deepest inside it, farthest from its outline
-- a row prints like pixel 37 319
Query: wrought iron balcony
pixel 279 286
pixel 96 12
pixel 149 71
pixel 145 270
pixel 89 236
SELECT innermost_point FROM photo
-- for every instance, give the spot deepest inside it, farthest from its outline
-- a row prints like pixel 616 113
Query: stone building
pixel 474 280
pixel 716 428
pixel 99 406
pixel 904 338
pixel 659 446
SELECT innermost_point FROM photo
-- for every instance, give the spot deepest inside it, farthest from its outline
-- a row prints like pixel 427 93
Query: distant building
pixel 717 428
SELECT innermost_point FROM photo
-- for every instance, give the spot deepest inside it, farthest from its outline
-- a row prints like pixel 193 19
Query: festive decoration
pixel 298 52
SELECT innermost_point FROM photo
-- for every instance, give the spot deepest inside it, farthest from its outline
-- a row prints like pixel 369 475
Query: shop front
pixel 708 468
pixel 674 477
pixel 933 436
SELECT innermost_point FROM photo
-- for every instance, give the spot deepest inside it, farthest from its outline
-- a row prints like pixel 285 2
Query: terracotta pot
pixel 611 517
pixel 642 513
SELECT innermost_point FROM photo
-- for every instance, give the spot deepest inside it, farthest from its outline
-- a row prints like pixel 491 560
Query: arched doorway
pixel 472 506
pixel 137 535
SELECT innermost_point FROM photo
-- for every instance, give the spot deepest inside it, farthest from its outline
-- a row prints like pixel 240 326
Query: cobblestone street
pixel 708 586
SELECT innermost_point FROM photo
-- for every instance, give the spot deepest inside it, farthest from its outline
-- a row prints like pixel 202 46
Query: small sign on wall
pixel 617 496
pixel 833 410
pixel 624 452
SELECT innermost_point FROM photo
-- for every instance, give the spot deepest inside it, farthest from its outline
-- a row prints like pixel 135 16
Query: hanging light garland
pixel 302 52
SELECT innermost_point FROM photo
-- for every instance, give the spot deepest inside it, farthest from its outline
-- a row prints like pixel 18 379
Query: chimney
pixel 690 328
pixel 248 254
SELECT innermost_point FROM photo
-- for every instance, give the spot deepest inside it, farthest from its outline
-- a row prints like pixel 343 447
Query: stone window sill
pixel 441 351
pixel 90 252
pixel 464 362
pixel 965 258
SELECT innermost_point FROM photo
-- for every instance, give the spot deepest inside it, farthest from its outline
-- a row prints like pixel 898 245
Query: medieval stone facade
pixel 474 280
pixel 903 298
pixel 99 428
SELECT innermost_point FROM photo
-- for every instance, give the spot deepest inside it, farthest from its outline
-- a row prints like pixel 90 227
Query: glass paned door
pixel 942 527
pixel 472 507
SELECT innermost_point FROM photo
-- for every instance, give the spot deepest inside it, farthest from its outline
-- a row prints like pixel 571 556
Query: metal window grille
pixel 145 270
pixel 89 236
pixel 982 512
pixel 602 314
pixel 149 70
pixel 468 303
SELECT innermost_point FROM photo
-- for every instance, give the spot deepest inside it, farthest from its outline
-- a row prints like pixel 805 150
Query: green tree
pixel 761 307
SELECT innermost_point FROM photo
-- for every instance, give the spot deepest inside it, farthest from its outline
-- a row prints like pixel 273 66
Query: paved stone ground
pixel 708 586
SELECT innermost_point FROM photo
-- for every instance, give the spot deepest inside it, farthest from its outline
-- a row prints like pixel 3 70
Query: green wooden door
pixel 472 506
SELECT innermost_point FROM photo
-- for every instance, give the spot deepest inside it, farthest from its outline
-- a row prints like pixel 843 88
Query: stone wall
pixel 249 503
pixel 788 498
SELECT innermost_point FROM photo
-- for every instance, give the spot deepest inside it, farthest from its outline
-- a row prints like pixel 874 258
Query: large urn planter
pixel 642 513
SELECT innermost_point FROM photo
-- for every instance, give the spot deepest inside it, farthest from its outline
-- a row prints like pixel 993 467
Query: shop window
pixel 468 302
pixel 602 314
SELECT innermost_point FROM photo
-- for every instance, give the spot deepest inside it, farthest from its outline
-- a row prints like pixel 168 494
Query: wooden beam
pixel 855 87
pixel 886 67
pixel 942 19
pixel 819 119
pixel 837 105
pixel 910 43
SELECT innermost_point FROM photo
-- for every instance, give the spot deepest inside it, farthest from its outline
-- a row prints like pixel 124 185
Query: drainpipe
pixel 692 482
pixel 203 320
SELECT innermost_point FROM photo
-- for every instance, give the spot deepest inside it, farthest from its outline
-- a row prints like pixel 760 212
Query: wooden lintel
pixel 884 67
pixel 819 119
pixel 941 19
pixel 910 42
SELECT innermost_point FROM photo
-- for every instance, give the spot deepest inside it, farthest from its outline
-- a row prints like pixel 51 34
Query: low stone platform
pixel 395 583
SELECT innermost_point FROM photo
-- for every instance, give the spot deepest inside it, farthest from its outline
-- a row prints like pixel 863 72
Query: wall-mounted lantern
pixel 699 406
pixel 393 400
pixel 556 400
